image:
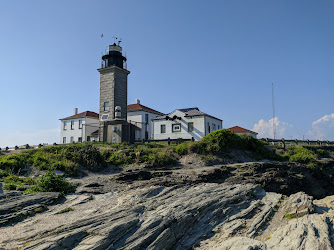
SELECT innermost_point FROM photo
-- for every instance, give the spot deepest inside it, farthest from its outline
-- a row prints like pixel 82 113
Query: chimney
pixel 137 101
pixel 75 111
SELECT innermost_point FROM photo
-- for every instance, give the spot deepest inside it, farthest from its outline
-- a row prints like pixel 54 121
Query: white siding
pixel 197 133
pixel 89 125
pixel 199 122
pixel 213 123
pixel 138 118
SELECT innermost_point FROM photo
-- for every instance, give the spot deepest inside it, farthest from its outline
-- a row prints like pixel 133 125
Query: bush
pixel 181 149
pixel 221 140
pixel 13 163
pixel 65 158
pixel 119 158
pixel 321 152
pixel 10 186
pixel 51 182
pixel 69 167
pixel 4 173
pixel 209 159
pixel 162 158
pixel 302 155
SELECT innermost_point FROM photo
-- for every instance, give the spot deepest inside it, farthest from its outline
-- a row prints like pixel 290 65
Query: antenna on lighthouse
pixel 273 106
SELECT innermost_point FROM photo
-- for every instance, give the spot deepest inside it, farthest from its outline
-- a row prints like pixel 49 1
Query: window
pixel 190 126
pixel 72 125
pixel 146 118
pixel 88 138
pixel 106 106
pixel 176 127
pixel 213 127
pixel 104 117
pixel 72 139
pixel 80 139
pixel 163 129
pixel 209 128
pixel 65 125
pixel 80 124
pixel 218 127
pixel 64 140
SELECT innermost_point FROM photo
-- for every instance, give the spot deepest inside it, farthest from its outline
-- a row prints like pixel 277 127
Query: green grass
pixel 66 210
pixel 290 216
pixel 67 158
pixel 13 182
pixel 223 140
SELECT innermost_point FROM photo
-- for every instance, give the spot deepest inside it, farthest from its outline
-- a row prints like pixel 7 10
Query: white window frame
pixel 175 125
pixel 106 116
pixel 65 125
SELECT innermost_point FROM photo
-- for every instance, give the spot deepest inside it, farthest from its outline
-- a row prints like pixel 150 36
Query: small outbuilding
pixel 240 130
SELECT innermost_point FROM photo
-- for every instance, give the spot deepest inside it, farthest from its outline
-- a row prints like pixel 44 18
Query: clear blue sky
pixel 221 56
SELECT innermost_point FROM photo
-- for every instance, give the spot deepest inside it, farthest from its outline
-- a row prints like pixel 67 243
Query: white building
pixel 84 126
pixel 79 127
pixel 243 131
pixel 185 124
pixel 141 116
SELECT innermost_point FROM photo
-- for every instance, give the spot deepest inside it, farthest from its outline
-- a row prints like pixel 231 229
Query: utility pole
pixel 273 106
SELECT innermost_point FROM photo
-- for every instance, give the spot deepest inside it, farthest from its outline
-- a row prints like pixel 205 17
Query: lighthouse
pixel 113 125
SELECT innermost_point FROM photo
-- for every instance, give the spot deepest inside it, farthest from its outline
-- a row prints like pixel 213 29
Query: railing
pixel 27 146
pixel 282 142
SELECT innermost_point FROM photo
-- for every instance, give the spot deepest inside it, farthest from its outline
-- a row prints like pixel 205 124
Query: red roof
pixel 83 114
pixel 134 107
pixel 237 129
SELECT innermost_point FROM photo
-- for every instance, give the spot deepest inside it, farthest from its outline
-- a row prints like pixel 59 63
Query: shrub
pixel 51 182
pixel 209 159
pixel 196 147
pixel 302 155
pixel 181 149
pixel 13 163
pixel 10 186
pixel 3 173
pixel 69 167
pixel 321 152
pixel 221 140
pixel 162 158
pixel 118 159
pixel 41 162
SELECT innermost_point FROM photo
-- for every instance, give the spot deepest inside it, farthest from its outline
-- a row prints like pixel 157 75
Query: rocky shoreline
pixel 254 205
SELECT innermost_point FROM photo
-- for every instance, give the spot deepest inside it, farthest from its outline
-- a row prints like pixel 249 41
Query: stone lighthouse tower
pixel 113 96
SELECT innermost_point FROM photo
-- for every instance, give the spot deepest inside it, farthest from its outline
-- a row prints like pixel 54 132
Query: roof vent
pixel 137 101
